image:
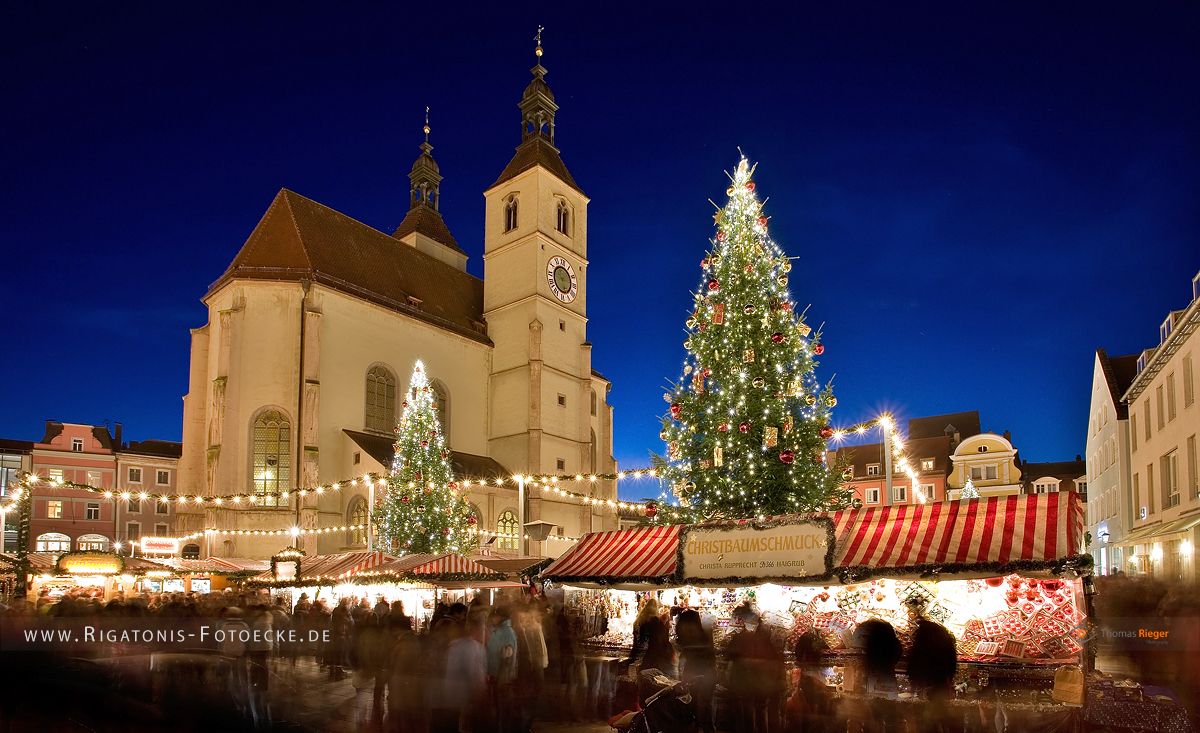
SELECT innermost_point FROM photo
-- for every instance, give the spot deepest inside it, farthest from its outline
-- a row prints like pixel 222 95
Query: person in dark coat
pixel 932 664
pixel 697 664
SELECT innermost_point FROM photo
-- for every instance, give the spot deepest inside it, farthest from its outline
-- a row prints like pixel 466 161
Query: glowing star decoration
pixel 754 415
pixel 421 510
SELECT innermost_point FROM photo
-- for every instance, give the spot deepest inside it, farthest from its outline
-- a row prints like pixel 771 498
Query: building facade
pixel 1164 426
pixel 16 458
pixel 297 379
pixel 1109 505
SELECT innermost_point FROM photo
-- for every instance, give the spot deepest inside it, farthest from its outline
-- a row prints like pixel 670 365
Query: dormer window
pixel 1164 330
pixel 562 220
pixel 1141 362
pixel 510 213
pixel 414 301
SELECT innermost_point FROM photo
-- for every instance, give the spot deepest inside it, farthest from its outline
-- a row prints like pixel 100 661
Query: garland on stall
pixel 288 554
pixel 1076 565
pixel 372 578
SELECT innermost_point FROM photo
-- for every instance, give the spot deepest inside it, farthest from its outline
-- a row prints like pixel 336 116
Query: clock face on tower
pixel 562 280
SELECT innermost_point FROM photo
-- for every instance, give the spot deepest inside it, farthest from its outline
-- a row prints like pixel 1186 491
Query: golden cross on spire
pixel 426 127
pixel 538 38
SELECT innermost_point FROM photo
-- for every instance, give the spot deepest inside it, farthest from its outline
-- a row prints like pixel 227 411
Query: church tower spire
pixel 537 103
pixel 423 226
pixel 425 178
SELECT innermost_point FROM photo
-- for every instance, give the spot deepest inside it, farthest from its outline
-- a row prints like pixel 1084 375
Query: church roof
pixel 465 465
pixel 426 220
pixel 300 239
pixel 537 151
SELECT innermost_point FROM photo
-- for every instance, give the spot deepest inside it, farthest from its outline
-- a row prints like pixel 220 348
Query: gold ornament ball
pixel 831 401
pixel 810 400
pixel 787 266
pixel 782 280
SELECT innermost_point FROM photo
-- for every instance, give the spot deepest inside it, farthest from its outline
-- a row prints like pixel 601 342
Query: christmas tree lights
pixel 747 423
pixel 424 509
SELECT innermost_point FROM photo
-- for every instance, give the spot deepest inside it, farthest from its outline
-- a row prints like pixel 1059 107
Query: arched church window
pixel 593 403
pixel 190 552
pixel 507 528
pixel 381 399
pixel 357 515
pixel 441 401
pixel 563 220
pixel 510 213
pixel 272 461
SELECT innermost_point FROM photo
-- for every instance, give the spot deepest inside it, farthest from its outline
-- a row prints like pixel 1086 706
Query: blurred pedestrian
pixel 697 665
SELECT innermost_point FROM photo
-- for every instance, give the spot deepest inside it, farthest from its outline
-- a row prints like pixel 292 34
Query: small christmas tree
pixel 969 491
pixel 424 510
pixel 748 422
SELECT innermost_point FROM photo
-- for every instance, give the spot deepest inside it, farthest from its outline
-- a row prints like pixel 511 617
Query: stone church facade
pixel 313 330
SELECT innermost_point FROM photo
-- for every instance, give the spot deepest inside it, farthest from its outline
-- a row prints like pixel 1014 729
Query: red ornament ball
pixel 994 582
pixel 787 456
pixel 404 403
pixel 472 521
pixel 785 306
pixel 676 410
pixel 762 221
pixel 446 531
pixel 704 264
pixel 749 185
pixel 827 432
pixel 744 427
pixel 778 337
pixel 714 284
pixel 818 348
pixel 721 236
pixel 424 443
pixel 404 500
pixel 723 427
pixel 651 510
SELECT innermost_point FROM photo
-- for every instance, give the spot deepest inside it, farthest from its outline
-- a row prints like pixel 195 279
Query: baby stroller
pixel 668 707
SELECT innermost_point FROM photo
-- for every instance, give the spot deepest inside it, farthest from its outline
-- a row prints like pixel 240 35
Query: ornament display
pixel 748 356
pixel 762 221
pixel 810 400
pixel 721 236
pixel 749 185
pixel 743 427
pixel 676 410
pixel 723 427
pixel 786 266
pixel 759 382
pixel 818 348
pixel 782 280
pixel 748 309
pixel 787 456
pixel 831 401
pixel 718 316
pixel 778 337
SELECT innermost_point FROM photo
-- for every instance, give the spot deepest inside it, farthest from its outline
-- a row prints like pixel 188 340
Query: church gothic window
pixel 272 462
pixel 381 399
pixel 507 529
pixel 510 213
pixel 441 401
pixel 563 219
pixel 356 516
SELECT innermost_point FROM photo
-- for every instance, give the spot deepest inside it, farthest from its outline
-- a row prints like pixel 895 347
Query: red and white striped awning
pixel 1000 530
pixel 445 565
pixel 958 538
pixel 643 554
pixel 335 567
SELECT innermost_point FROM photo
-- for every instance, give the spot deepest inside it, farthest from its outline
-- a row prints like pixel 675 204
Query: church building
pixel 298 377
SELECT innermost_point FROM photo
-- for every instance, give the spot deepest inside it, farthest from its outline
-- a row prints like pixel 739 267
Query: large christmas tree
pixel 424 510
pixel 748 422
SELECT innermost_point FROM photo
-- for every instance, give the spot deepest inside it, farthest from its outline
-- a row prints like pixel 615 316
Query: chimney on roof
pixel 117 436
pixel 1008 436
pixel 1078 458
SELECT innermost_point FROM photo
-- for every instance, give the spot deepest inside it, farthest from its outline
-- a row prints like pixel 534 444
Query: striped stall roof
pixel 973 537
pixel 624 555
pixel 337 566
pixel 447 564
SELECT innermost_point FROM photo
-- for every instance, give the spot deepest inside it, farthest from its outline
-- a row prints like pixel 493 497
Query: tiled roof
pixel 937 448
pixel 300 239
pixel 465 465
pixel 428 221
pixel 965 424
pixel 1119 372
pixel 161 448
pixel 16 446
pixel 537 151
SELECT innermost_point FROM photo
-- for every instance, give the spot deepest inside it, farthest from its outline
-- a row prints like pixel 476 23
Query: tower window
pixel 563 219
pixel 357 518
pixel 562 400
pixel 510 213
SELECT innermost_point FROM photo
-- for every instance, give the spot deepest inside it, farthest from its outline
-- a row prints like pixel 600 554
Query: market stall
pixel 1003 574
pixel 103 574
pixel 432 578
pixel 200 576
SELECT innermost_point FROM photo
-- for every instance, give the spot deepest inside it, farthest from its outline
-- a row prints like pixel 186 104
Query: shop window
pixel 53 542
pixel 95 542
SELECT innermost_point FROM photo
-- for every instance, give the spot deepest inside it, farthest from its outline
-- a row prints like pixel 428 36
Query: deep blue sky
pixel 978 195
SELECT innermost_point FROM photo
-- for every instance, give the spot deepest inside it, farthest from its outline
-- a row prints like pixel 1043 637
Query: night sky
pixel 978 196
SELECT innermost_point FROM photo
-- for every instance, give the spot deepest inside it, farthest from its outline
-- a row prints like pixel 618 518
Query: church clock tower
pixel 535 302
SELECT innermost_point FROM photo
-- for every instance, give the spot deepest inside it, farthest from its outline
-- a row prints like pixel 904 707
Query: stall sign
pixel 286 570
pixel 159 545
pixel 201 585
pixel 793 551
pixel 173 585
pixel 90 563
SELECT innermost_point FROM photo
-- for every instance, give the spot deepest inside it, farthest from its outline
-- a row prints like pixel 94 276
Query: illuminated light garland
pixel 899 458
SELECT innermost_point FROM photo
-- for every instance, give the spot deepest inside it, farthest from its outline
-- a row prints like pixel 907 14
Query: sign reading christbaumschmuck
pixel 787 551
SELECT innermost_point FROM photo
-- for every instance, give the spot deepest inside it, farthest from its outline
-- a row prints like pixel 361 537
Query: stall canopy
pixel 45 563
pixel 957 539
pixel 436 569
pixel 326 569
